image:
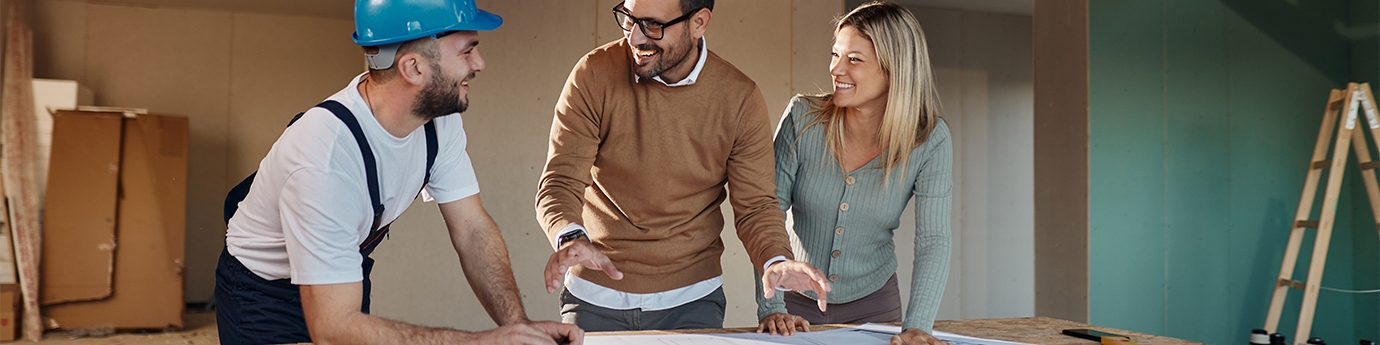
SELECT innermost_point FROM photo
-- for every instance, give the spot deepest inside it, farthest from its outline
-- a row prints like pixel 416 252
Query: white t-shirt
pixel 309 208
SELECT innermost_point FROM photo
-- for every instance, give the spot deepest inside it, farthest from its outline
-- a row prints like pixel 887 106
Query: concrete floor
pixel 199 328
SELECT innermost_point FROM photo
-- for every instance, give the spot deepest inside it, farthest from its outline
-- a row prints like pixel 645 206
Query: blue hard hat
pixel 380 22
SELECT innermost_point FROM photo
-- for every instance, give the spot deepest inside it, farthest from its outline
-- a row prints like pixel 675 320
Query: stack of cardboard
pixel 114 221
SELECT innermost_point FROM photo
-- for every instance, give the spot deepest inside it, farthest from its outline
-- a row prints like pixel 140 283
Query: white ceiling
pixel 1014 7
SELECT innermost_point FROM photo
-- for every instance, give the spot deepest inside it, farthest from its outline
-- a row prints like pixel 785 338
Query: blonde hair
pixel 912 106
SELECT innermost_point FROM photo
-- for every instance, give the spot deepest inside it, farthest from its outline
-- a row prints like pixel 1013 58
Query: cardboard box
pixel 115 221
pixel 9 312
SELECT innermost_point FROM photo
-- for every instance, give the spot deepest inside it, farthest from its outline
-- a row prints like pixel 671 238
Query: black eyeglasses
pixel 651 28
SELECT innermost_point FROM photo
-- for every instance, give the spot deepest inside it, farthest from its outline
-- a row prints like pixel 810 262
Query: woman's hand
pixel 915 336
pixel 783 324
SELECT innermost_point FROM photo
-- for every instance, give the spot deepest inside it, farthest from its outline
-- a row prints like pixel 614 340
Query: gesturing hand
pixel 573 253
pixel 795 275
pixel 783 324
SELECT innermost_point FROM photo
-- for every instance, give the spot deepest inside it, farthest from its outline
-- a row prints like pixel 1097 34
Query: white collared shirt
pixel 694 74
pixel 613 299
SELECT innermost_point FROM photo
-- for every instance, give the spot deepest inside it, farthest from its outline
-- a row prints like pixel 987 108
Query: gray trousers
pixel 706 312
pixel 881 306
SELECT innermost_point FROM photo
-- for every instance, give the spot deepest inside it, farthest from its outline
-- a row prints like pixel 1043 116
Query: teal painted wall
pixel 1364 33
pixel 1202 119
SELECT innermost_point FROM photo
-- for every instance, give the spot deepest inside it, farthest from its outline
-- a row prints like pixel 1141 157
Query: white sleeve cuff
pixel 775 259
pixel 569 229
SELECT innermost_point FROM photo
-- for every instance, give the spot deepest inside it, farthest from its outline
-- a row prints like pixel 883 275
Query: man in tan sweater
pixel 648 131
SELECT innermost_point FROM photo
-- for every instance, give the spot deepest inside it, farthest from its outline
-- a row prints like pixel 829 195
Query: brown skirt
pixel 881 306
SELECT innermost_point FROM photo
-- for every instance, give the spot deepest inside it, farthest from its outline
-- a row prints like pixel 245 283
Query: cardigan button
pixel 850 180
pixel 837 253
pixel 833 277
pixel 843 207
pixel 838 230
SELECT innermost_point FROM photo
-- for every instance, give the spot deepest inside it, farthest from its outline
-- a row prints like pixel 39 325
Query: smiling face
pixel 654 57
pixel 447 91
pixel 859 81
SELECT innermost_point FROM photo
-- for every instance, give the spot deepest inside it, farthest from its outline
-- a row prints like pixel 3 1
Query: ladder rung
pixel 1311 224
pixel 1297 285
pixel 1370 165
pixel 1322 164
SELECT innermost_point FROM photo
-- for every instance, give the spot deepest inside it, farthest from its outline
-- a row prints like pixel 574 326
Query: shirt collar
pixel 694 74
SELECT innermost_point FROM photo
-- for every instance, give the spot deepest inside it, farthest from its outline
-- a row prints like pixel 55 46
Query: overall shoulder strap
pixel 431 150
pixel 295 118
pixel 370 166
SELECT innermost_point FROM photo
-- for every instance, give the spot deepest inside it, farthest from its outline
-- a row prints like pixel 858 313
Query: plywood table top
pixel 1032 330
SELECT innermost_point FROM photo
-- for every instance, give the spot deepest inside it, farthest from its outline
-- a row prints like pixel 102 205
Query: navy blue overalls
pixel 253 310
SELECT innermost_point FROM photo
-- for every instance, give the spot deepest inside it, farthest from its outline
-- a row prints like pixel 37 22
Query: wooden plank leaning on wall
pixel 18 137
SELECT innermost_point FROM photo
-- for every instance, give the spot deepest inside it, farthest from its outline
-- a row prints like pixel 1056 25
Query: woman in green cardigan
pixel 848 162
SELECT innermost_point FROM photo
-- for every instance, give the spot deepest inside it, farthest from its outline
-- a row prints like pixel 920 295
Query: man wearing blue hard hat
pixel 296 264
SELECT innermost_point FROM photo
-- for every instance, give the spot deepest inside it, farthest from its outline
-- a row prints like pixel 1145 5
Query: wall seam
pixel 1087 160
pixel 86 55
pixel 594 39
pixel 230 104
pixel 1164 161
pixel 1226 51
pixel 963 309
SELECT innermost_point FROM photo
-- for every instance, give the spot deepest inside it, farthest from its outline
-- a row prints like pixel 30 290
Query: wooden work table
pixel 1041 330
pixel 1031 330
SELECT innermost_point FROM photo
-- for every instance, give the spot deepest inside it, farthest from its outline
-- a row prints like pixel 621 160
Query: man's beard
pixel 440 97
pixel 664 62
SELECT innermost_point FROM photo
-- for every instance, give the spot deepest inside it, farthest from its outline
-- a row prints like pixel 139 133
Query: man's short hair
pixel 687 6
pixel 426 46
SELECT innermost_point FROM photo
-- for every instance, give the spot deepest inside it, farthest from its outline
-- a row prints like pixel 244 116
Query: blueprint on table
pixel 858 335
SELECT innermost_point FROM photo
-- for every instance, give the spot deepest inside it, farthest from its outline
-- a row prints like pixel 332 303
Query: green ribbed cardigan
pixel 811 184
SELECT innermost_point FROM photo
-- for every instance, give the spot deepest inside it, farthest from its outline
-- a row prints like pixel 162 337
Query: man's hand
pixel 798 276
pixel 577 252
pixel 534 333
pixel 783 324
pixel 915 336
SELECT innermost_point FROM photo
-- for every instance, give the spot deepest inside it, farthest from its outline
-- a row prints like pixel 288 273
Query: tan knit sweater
pixel 643 166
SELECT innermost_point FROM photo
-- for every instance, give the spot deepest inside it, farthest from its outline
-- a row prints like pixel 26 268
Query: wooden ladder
pixel 1356 98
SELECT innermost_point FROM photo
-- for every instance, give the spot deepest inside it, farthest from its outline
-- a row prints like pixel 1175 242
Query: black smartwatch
pixel 570 236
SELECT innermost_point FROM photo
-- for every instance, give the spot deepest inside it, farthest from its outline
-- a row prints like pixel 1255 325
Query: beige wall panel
pixel 943 35
pixel 1060 45
pixel 172 62
pixel 280 65
pixel 754 35
pixel 418 278
pixel 333 9
pixel 59 39
pixel 998 210
pixel 982 70
pixel 812 36
pixel 605 28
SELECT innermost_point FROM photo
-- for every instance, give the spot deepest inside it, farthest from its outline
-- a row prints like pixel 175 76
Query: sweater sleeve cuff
pixel 772 307
pixel 915 322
